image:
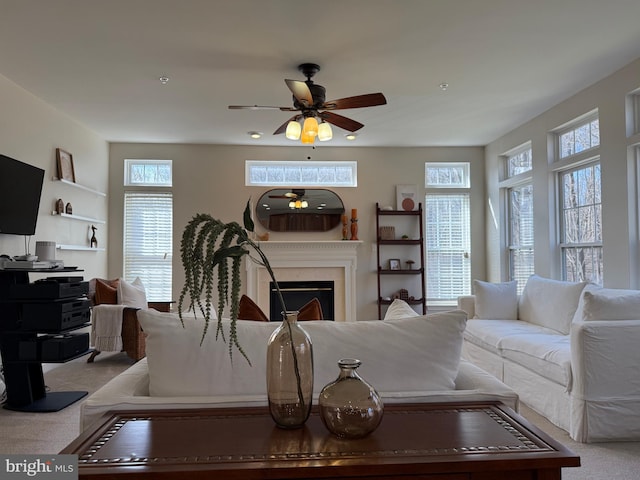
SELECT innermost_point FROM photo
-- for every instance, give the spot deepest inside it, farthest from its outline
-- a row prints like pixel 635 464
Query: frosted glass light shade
pixel 308 139
pixel 324 132
pixel 293 130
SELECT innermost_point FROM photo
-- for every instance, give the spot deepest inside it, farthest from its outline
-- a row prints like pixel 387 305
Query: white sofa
pixel 570 350
pixel 405 359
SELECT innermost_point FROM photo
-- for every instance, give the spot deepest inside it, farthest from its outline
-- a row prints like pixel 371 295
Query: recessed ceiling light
pixel 350 136
pixel 164 80
pixel 444 86
pixel 255 135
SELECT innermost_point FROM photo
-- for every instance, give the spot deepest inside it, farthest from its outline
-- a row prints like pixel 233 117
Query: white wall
pixel 30 131
pixel 619 197
pixel 210 179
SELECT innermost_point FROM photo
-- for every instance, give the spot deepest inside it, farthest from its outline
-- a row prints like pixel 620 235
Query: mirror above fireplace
pixel 299 210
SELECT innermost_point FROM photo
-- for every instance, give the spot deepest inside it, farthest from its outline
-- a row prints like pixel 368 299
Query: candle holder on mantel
pixel 354 224
pixel 344 228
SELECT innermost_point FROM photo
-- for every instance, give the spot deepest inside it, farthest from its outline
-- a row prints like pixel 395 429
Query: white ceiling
pixel 505 61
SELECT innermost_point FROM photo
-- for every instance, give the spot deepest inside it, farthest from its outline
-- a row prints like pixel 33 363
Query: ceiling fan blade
pixel 359 101
pixel 340 121
pixel 301 91
pixel 282 128
pixel 261 107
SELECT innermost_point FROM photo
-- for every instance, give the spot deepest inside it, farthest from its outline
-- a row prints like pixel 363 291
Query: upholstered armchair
pixel 122 312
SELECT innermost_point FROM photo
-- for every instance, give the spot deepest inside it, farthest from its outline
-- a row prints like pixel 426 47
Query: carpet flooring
pixel 39 433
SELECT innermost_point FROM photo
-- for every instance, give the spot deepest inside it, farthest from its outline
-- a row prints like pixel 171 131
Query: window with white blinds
pixel 448 243
pixel 148 237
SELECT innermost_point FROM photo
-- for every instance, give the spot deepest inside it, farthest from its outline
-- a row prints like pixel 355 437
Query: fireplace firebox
pixel 297 293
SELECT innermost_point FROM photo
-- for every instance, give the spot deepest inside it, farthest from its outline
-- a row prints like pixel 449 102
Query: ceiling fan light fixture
pixel 324 132
pixel 310 127
pixel 294 129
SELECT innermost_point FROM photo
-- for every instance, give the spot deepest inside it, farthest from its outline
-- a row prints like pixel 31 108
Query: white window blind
pixel 448 243
pixel 521 253
pixel 148 237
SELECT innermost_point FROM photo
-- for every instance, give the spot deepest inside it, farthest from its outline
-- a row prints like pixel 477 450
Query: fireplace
pixel 296 294
pixel 297 261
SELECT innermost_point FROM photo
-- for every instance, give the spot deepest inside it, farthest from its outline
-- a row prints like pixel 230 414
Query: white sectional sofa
pixel 570 350
pixel 406 359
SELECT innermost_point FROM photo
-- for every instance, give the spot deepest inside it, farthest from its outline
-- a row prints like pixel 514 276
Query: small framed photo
pixel 406 197
pixel 394 264
pixel 65 165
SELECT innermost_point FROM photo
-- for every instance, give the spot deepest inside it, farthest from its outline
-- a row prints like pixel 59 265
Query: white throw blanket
pixel 106 328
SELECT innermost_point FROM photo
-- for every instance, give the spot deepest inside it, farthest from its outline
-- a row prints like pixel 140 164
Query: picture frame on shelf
pixel 394 264
pixel 406 197
pixel 66 170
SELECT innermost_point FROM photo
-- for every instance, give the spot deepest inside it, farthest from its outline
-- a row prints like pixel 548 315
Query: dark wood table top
pixel 419 440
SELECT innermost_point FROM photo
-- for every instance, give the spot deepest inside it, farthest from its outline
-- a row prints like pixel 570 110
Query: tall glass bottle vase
pixel 290 373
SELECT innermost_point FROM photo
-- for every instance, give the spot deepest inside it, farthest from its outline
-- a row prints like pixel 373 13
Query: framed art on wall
pixel 65 165
pixel 406 197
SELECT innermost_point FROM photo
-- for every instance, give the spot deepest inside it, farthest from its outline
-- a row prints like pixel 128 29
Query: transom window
pixel 579 138
pixel 157 173
pixel 447 175
pixel 301 174
pixel 519 162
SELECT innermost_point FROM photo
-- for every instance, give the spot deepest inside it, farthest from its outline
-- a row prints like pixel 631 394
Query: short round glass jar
pixel 349 406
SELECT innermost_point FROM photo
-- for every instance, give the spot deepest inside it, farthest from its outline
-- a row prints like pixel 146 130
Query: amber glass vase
pixel 349 406
pixel 290 373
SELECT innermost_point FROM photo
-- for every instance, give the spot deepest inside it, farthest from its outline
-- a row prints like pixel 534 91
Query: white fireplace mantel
pixel 309 260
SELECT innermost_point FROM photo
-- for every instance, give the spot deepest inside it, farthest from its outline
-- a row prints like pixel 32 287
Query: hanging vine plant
pixel 211 248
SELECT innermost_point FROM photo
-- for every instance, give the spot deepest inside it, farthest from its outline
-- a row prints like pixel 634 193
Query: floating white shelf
pixel 78 217
pixel 79 247
pixel 77 185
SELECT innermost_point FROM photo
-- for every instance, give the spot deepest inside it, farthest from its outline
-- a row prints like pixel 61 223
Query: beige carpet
pixel 36 433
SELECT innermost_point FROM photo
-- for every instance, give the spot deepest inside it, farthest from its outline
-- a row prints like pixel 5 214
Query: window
pixel 148 226
pixel 581 224
pixel 447 232
pixel 301 174
pixel 518 197
pixel 520 218
pixel 579 138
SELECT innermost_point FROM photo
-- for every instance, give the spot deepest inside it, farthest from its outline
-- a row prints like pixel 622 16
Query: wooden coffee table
pixel 451 441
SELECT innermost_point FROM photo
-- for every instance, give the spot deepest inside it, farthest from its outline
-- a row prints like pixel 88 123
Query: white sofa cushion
pixel 411 354
pixel 610 304
pixel 550 303
pixel 496 301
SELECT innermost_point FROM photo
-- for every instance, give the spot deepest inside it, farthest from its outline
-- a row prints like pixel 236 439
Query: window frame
pixel 293 165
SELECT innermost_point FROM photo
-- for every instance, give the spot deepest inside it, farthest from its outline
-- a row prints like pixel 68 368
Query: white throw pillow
pixel 399 309
pixel 496 301
pixel 416 354
pixel 550 303
pixel 611 304
pixel 132 294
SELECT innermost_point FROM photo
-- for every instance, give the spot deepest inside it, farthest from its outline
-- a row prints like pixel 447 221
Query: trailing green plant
pixel 210 246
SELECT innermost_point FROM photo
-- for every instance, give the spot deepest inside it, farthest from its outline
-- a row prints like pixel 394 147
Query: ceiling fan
pixel 315 111
pixel 293 194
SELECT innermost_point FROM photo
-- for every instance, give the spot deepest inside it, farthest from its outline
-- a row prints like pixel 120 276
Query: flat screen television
pixel 20 191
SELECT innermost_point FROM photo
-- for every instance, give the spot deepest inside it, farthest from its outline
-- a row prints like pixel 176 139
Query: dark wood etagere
pixel 384 272
pixel 31 317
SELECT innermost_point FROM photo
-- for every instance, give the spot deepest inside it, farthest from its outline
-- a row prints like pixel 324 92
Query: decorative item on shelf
pixel 344 228
pixel 387 233
pixel 290 396
pixel 409 264
pixel 264 237
pixel 405 237
pixel 94 241
pixel 394 264
pixel 403 294
pixel 211 254
pixel 59 206
pixel 68 209
pixel 406 197
pixel 354 224
pixel 65 165
pixel 349 406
